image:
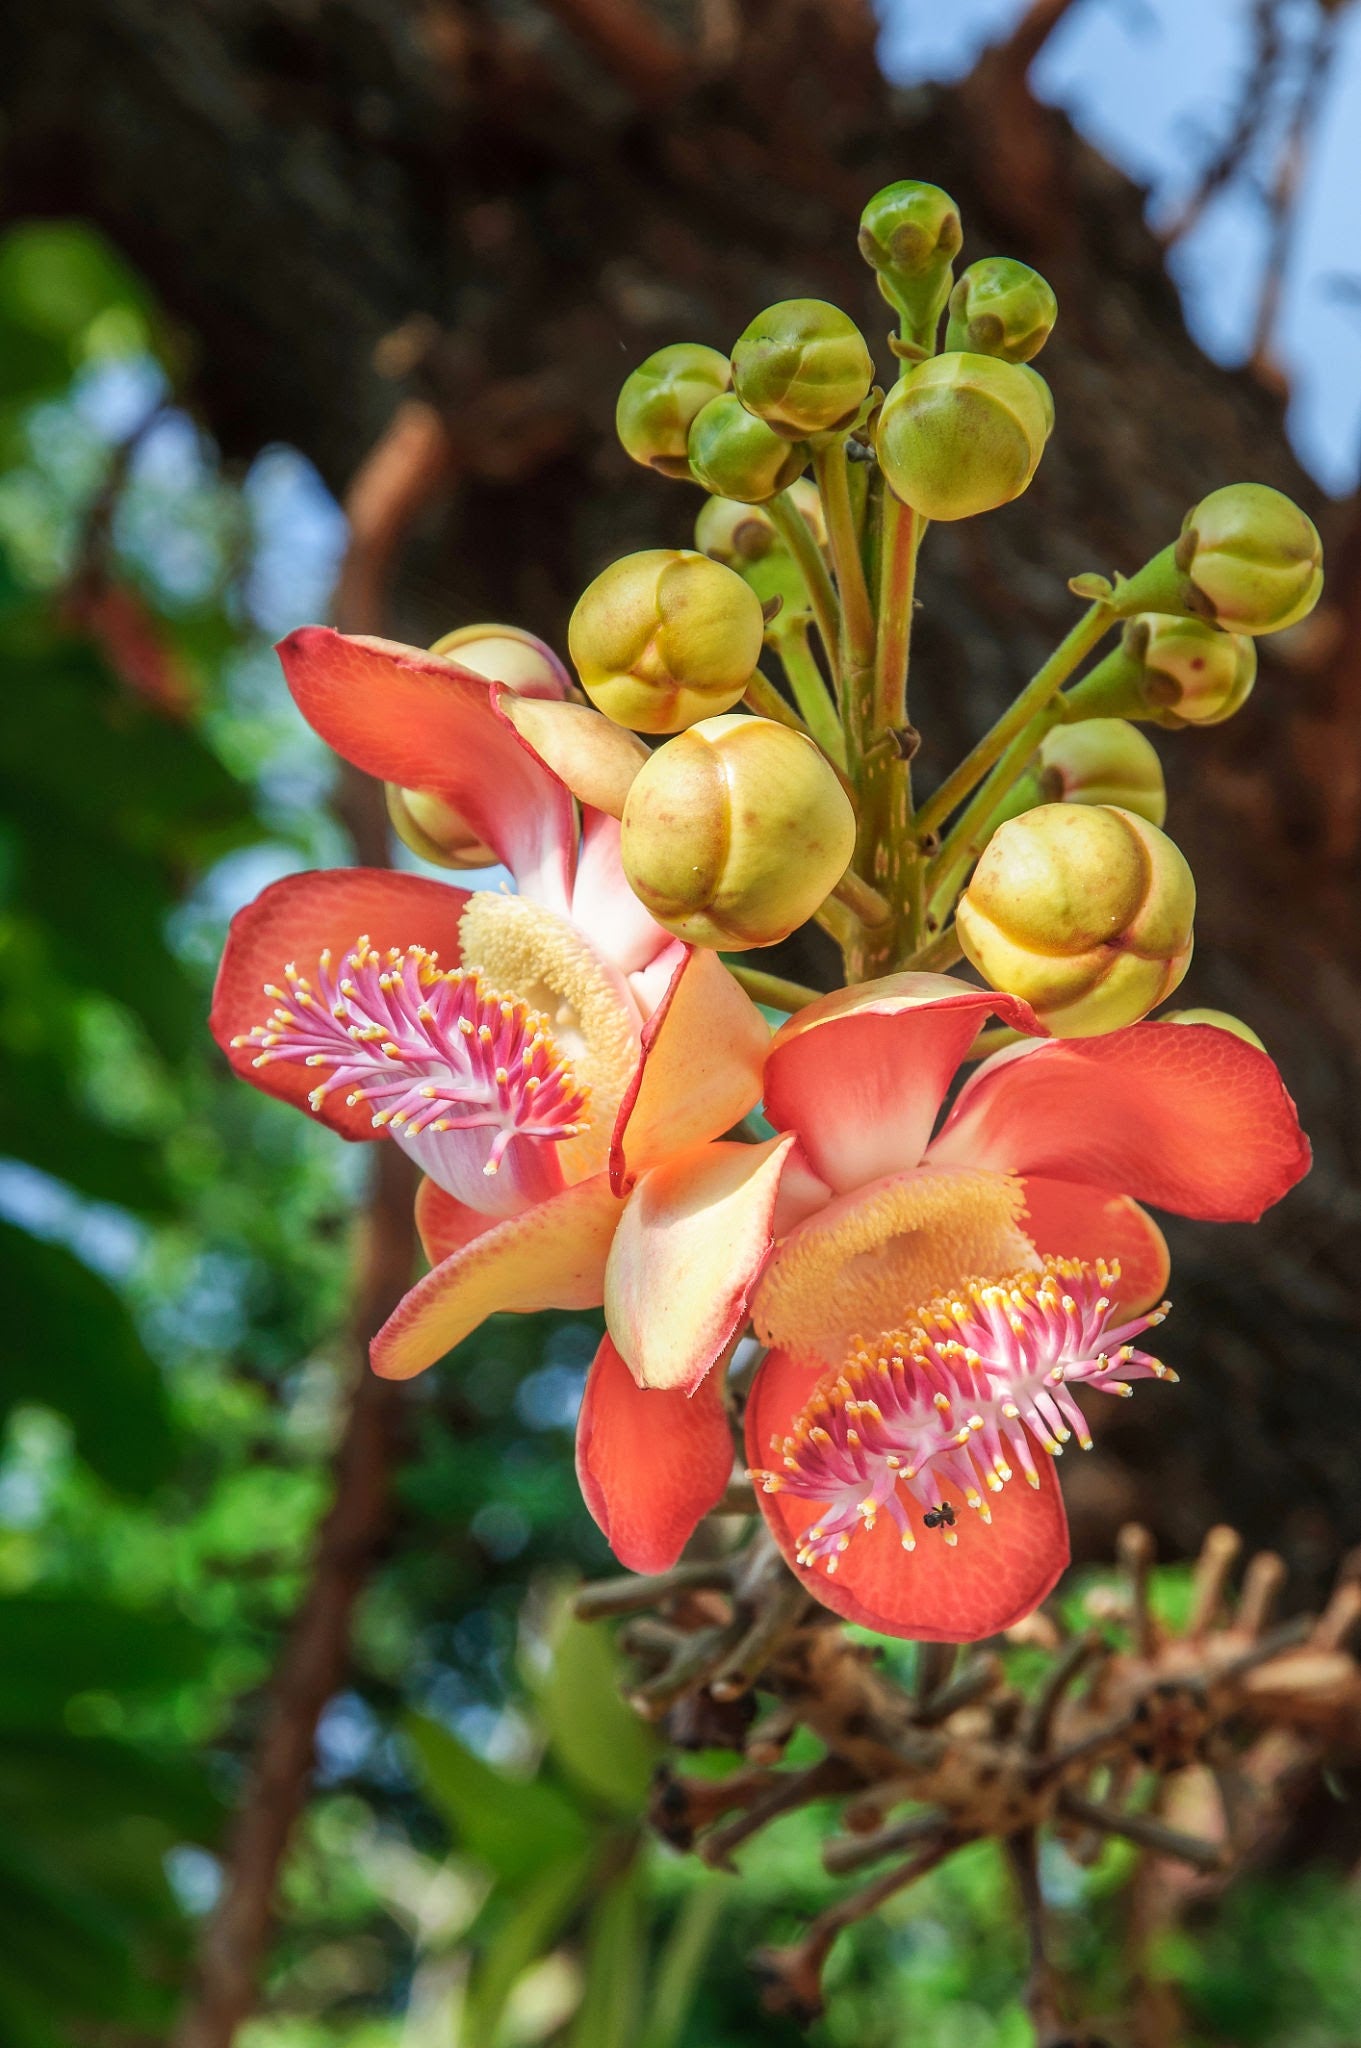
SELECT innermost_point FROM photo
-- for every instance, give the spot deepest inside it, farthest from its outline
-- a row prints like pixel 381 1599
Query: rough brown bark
pixel 494 203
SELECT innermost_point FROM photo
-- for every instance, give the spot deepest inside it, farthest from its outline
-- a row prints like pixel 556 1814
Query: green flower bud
pixel 1253 557
pixel 1220 1019
pixel 660 399
pixel 503 654
pixel 735 455
pixel 735 833
pixel 962 434
pixel 1170 671
pixel 1085 912
pixel 803 368
pixel 665 637
pixel 910 233
pixel 1248 560
pixel 1001 308
pixel 1101 761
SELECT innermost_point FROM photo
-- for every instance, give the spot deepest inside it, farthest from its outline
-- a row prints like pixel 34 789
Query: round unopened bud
pixel 1084 911
pixel 735 455
pixel 910 233
pixel 1192 673
pixel 1221 1020
pixel 665 637
pixel 1101 761
pixel 802 366
pixel 427 824
pixel 739 534
pixel 963 433
pixel 1253 558
pixel 734 834
pixel 660 398
pixel 509 655
pixel 1001 308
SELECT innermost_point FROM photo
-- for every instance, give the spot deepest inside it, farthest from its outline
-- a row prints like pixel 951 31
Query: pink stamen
pixel 951 1403
pixel 428 1046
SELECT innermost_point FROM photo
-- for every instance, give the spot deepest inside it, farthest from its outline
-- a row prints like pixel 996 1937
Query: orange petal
pixel 650 1462
pixel 695 1234
pixel 423 723
pixel 297 920
pixel 1186 1116
pixel 861 1074
pixel 700 1068
pixel 552 1256
pixel 1077 1222
pixel 994 1575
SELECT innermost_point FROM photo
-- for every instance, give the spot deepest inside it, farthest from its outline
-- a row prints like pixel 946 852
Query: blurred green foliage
pixel 472 1872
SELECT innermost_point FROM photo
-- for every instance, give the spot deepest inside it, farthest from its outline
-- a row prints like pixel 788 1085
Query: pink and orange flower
pixel 929 1296
pixel 532 1052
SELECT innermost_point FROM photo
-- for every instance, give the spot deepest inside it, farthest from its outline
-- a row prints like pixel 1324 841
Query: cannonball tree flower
pixel 529 1051
pixel 929 1301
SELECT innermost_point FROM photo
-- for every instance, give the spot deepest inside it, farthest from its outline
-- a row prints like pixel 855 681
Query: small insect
pixel 940 1517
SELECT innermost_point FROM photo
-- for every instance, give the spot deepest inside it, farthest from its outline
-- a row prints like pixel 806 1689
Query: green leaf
pixel 69 1342
pixel 514 1825
pixel 42 1121
pixel 680 1967
pixel 527 1931
pixel 599 1742
pixel 52 1648
pixel 616 1960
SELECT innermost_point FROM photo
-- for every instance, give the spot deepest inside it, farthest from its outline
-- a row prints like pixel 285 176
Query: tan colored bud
pixel 426 824
pixel 736 832
pixel 961 434
pixel 1254 558
pixel 509 655
pixel 665 637
pixel 435 830
pixel 1220 1019
pixel 1084 911
pixel 1102 761
pixel 737 534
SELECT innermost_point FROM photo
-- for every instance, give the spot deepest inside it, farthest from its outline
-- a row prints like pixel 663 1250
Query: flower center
pixel 429 1047
pixel 948 1404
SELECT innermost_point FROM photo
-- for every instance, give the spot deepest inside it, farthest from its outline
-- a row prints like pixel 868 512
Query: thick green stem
pixel 979 819
pixel 799 538
pixel 773 990
pixel 810 691
pixel 1044 685
pixel 857 619
pixel 939 953
pixel 766 701
pixel 863 900
pixel 900 534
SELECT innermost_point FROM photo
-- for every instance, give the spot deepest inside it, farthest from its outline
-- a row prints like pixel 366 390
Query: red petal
pixel 1071 1221
pixel 861 1074
pixel 1185 1116
pixel 650 1462
pixel 996 1574
pixel 295 920
pixel 415 720
pixel 446 1225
